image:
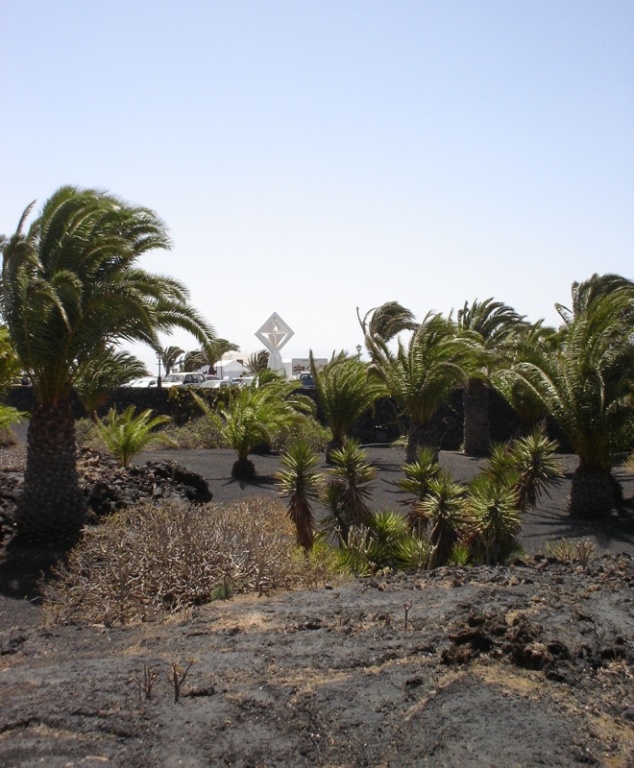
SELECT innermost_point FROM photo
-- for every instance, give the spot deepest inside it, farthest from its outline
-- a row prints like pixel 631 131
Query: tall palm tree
pixel 527 341
pixel 170 357
pixel 490 324
pixel 210 355
pixel 585 387
pixel 583 294
pixel 71 284
pixel 385 322
pixel 421 376
pixel 102 373
pixel 258 362
pixel 344 393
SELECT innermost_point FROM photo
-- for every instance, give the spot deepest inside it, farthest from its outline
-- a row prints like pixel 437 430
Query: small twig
pixel 146 682
pixel 177 678
pixel 406 608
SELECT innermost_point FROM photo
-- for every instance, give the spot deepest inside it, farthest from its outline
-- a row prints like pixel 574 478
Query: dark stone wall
pixel 21 397
pixel 381 424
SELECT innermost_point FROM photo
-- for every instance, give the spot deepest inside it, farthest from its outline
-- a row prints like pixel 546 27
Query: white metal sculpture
pixel 274 333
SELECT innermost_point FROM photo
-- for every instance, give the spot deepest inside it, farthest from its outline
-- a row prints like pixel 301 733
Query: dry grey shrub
pixel 155 559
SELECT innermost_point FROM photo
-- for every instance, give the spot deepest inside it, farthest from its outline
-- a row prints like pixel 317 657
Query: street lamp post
pixel 159 360
pixel 359 348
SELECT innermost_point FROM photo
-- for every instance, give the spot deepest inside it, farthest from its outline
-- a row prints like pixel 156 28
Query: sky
pixel 314 156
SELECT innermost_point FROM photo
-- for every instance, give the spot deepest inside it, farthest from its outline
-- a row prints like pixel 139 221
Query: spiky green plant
pixel 418 475
pixel 445 508
pixel 500 467
pixel 535 461
pixel 348 490
pixel 302 484
pixel 493 520
pixel 125 434
pixel 387 532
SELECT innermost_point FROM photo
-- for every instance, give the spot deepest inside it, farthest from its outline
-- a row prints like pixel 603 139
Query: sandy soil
pixel 529 665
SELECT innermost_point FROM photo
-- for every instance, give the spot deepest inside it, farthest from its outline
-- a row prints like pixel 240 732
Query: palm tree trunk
pixel 476 434
pixel 51 508
pixel 593 493
pixel 421 436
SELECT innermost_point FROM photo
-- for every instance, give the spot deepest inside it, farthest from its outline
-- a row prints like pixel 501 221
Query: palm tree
pixel 170 357
pixel 585 387
pixel 489 325
pixel 588 291
pixel 253 416
pixel 302 483
pixel 104 372
pixel 421 376
pixel 527 341
pixel 126 434
pixel 344 393
pixel 258 362
pixel 384 323
pixel 71 284
pixel 197 358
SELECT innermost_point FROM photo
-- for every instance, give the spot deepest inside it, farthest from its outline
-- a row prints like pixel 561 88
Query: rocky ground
pixel 526 665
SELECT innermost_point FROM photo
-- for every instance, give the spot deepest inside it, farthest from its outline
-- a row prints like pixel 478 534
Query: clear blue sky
pixel 312 156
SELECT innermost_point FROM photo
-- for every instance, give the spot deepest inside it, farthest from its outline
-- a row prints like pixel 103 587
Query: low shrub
pixel 154 559
pixel 305 429
pixel 200 432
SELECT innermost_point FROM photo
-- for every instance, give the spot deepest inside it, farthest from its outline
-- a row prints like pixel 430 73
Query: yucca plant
pixel 493 520
pixel 534 459
pixel 500 467
pixel 384 543
pixel 387 532
pixel 125 434
pixel 418 475
pixel 9 368
pixel 302 484
pixel 348 490
pixel 445 508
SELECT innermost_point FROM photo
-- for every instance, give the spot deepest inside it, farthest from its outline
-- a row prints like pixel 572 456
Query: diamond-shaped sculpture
pixel 274 334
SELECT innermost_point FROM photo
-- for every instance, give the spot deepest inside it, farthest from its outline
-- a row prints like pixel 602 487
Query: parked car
pixel 144 381
pixel 306 380
pixel 183 380
pixel 216 383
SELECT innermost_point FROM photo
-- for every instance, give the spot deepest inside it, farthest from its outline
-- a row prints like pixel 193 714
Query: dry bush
pixel 155 559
